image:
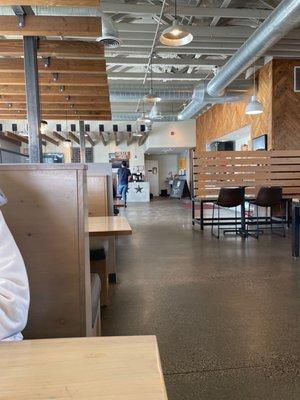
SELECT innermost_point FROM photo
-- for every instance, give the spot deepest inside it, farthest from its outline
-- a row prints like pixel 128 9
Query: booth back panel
pixel 46 215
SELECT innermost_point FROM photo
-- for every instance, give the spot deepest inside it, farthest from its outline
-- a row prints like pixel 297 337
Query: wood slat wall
pixel 253 169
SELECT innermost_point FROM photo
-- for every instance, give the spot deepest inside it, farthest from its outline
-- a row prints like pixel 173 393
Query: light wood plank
pixel 54 90
pixel 119 368
pixel 55 48
pixel 48 80
pixel 109 226
pixel 53 3
pixel 70 66
pixel 52 26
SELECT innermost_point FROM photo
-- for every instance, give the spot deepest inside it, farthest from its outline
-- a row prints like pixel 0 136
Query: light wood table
pixel 109 226
pixel 107 368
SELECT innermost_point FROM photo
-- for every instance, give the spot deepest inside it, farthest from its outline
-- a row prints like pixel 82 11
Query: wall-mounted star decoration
pixel 139 189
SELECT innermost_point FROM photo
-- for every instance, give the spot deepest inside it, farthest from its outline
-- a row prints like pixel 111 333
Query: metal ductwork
pixel 200 99
pixel 283 19
pixel 110 35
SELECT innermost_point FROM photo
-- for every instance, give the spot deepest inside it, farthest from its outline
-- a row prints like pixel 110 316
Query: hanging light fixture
pixel 176 35
pixel 151 97
pixel 144 119
pixel 254 106
pixel 155 113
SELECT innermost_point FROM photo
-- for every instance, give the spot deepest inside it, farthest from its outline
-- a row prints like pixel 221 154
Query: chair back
pixel 268 196
pixel 231 197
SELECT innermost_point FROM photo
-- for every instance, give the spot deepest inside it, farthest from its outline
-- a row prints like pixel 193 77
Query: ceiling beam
pixel 129 138
pixel 73 137
pixel 59 136
pixel 46 107
pixel 15 136
pixel 19 98
pixel 85 27
pixel 49 139
pixel 89 139
pixel 104 142
pixel 224 4
pixel 216 31
pixel 62 79
pixel 156 76
pixel 52 3
pixel 203 12
pixel 54 90
pixel 143 138
pixel 70 66
pixel 54 48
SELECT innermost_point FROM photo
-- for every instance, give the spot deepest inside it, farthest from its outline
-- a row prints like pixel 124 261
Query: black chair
pixel 227 198
pixel 268 197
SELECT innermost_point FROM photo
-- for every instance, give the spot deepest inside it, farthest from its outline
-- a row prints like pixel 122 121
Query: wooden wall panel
pixel 225 118
pixel 286 106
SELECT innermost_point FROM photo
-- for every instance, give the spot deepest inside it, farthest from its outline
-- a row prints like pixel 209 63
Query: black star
pixel 138 189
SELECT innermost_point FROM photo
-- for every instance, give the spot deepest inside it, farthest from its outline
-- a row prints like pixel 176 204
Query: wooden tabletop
pixel 109 226
pixel 102 368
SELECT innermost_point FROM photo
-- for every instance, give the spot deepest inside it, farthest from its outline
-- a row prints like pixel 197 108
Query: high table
pixel 102 368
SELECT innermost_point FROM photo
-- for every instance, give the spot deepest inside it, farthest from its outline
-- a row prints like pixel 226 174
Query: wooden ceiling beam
pixel 62 79
pixel 83 27
pixel 103 140
pixel 67 107
pixel 54 90
pixel 55 48
pixel 59 136
pixel 16 117
pixel 52 3
pixel 89 139
pixel 9 139
pixel 49 139
pixel 70 66
pixel 73 137
pixel 17 137
pixel 19 98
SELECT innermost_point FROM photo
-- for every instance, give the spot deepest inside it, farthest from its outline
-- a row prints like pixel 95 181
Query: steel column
pixel 32 99
pixel 82 142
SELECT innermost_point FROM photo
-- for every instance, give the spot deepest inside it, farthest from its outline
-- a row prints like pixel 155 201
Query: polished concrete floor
pixel 226 312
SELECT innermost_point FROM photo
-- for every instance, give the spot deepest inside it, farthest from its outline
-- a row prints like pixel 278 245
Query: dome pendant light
pixel 176 35
pixel 151 97
pixel 254 106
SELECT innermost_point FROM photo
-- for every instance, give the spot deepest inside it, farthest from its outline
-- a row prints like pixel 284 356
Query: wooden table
pixel 102 368
pixel 109 226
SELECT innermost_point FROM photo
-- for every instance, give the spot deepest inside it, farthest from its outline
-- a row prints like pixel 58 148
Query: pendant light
pixel 254 107
pixel 151 97
pixel 176 35
pixel 144 119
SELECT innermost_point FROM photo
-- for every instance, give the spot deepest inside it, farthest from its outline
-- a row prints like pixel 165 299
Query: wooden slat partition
pixel 253 169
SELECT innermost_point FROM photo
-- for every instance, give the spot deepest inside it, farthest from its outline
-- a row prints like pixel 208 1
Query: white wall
pixel 166 163
pixel 184 134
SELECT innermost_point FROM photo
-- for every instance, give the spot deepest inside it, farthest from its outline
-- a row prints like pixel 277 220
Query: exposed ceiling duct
pixel 283 19
pixel 200 99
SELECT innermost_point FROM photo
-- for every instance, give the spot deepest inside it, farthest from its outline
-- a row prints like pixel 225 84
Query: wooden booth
pixel 47 215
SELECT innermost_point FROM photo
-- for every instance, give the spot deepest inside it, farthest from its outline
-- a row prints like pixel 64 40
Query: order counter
pixel 138 192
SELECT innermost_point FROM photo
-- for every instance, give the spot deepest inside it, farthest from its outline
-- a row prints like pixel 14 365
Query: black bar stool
pixel 268 197
pixel 227 198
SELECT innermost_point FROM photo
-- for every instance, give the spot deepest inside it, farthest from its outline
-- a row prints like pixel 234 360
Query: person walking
pixel 124 175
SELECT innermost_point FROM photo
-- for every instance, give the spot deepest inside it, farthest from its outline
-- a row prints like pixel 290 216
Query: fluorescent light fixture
pixel 254 106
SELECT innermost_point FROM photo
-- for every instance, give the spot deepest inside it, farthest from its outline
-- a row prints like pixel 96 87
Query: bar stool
pixel 227 198
pixel 268 197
